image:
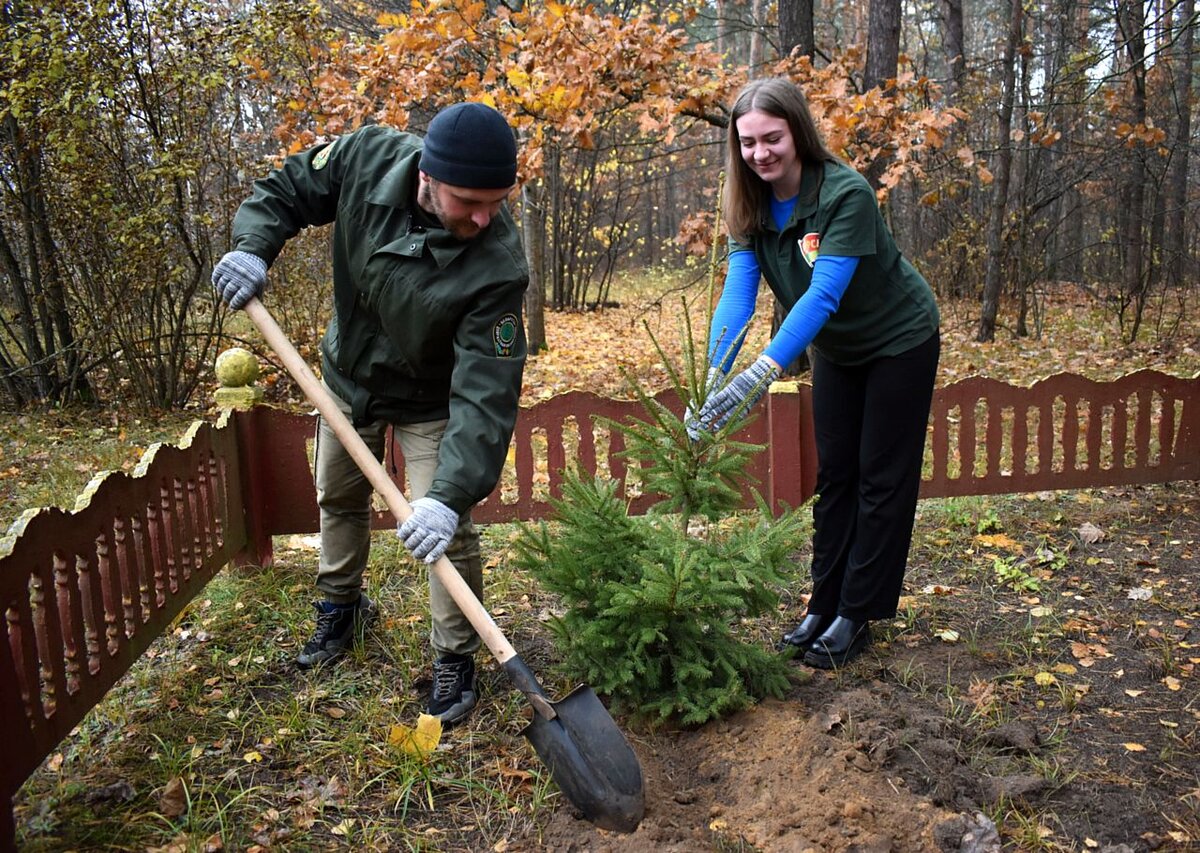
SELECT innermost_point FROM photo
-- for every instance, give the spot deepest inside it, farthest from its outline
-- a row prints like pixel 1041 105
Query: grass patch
pixel 216 734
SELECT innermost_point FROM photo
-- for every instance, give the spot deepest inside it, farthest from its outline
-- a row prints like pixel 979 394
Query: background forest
pixel 1020 148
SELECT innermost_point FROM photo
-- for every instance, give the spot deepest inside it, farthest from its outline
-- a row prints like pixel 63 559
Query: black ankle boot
pixel 802 636
pixel 842 642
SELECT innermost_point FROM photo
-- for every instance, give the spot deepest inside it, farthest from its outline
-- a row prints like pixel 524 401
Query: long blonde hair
pixel 746 192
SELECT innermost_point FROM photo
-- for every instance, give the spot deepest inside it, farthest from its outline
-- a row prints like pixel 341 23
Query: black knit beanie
pixel 470 145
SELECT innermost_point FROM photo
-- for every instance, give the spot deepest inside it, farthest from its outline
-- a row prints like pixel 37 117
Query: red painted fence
pixel 85 592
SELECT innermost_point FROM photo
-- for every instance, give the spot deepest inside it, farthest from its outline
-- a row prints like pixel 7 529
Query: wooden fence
pixel 85 592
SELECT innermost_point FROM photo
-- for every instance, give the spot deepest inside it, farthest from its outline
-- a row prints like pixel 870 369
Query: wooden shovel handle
pixel 471 607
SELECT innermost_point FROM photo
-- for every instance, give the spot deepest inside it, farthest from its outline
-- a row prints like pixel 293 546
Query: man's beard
pixel 462 228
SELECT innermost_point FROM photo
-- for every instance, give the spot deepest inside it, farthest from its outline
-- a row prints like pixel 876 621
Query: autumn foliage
pixel 560 72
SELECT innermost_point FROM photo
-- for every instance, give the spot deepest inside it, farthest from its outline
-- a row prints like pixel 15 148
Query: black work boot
pixel 453 694
pixel 337 627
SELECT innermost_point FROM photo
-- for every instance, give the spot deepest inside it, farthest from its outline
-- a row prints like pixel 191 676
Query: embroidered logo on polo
pixel 321 158
pixel 809 244
pixel 505 335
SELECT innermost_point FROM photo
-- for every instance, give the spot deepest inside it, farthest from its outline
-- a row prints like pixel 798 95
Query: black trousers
pixel 870 423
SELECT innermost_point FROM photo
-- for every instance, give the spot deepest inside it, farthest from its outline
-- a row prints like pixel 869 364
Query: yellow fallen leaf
pixel 1064 668
pixel 252 757
pixel 1000 540
pixel 1134 693
pixel 949 635
pixel 1045 679
pixel 344 828
pixel 1172 683
pixel 1135 747
pixel 418 742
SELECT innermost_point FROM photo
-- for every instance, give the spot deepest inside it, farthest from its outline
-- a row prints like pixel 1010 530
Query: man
pixel 426 335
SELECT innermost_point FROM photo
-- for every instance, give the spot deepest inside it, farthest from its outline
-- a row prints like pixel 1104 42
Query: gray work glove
pixel 239 276
pixel 690 423
pixel 743 390
pixel 429 529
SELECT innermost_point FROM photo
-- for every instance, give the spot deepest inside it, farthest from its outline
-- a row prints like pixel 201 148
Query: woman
pixel 811 226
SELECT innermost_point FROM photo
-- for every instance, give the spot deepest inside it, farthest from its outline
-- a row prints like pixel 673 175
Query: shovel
pixel 588 757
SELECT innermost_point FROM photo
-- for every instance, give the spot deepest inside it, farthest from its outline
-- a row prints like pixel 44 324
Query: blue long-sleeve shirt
pixel 831 276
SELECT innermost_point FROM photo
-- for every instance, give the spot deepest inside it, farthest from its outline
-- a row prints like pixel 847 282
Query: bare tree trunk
pixel 722 30
pixel 1053 163
pixel 883 55
pixel 756 37
pixel 995 232
pixel 533 224
pixel 952 37
pixel 883 43
pixel 1131 20
pixel 1076 38
pixel 1177 180
pixel 1025 177
pixel 796 28
pixel 554 175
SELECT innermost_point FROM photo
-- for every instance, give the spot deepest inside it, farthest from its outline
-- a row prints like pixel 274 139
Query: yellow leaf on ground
pixel 1045 679
pixel 1172 683
pixel 252 757
pixel 1135 747
pixel 1000 540
pixel 418 742
pixel 344 828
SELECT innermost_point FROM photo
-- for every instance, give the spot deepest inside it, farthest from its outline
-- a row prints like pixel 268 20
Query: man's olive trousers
pixel 344 498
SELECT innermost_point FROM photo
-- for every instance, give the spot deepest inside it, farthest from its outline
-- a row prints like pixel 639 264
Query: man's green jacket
pixel 425 326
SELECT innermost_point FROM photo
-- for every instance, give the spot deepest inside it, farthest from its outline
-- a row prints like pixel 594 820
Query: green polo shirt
pixel 888 307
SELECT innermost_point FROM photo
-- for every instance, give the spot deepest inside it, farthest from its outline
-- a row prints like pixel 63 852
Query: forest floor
pixel 1052 707
pixel 1037 690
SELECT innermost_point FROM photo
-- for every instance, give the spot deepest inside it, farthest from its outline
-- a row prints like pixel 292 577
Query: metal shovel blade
pixel 590 760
